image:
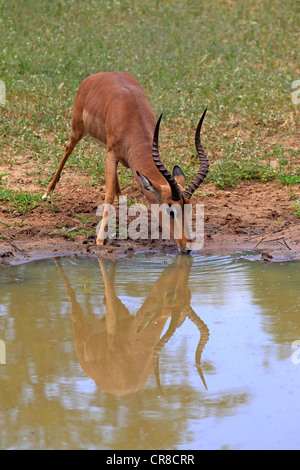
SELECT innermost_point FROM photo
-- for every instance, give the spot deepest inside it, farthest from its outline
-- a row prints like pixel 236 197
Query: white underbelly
pixel 95 128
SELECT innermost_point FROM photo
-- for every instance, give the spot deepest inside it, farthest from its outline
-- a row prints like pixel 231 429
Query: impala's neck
pixel 139 158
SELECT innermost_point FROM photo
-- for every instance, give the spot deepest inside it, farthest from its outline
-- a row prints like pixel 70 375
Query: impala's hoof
pixel 46 196
pixel 100 241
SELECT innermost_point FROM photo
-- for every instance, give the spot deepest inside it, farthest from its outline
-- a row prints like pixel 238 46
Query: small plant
pixel 83 226
pixel 2 176
pixel 65 232
pixel 136 200
pixel 293 195
pixel 290 178
pixel 6 225
pixel 297 207
pixel 81 229
pixel 53 203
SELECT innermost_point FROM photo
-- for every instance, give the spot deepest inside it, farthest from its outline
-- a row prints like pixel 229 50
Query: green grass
pixel 17 202
pixel 239 59
pixel 276 164
pixel 81 228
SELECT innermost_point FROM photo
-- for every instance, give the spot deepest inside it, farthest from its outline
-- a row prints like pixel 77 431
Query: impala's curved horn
pixel 176 193
pixel 204 165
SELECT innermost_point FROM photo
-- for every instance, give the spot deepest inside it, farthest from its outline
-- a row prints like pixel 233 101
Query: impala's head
pixel 173 195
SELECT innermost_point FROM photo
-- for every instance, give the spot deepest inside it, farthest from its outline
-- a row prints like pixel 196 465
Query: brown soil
pixel 253 216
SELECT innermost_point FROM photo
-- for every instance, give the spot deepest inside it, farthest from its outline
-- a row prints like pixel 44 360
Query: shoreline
pixel 282 249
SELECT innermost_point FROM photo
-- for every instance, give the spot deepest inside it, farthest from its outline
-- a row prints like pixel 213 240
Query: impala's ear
pixel 179 175
pixel 151 186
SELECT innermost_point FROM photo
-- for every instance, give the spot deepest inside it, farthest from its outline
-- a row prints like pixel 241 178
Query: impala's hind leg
pixel 76 136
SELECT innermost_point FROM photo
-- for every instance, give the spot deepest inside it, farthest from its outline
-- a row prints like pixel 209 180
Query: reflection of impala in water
pixel 122 350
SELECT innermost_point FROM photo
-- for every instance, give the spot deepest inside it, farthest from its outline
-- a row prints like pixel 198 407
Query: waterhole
pixel 151 352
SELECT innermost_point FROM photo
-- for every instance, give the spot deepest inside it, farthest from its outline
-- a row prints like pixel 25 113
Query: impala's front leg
pixel 111 186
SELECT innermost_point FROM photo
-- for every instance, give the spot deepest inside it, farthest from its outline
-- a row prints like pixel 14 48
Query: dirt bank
pixel 253 216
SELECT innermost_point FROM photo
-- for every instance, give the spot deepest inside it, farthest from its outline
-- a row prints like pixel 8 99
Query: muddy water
pixel 152 352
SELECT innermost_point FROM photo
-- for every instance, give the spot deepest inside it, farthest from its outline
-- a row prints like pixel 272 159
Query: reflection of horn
pixel 204 336
pixel 175 319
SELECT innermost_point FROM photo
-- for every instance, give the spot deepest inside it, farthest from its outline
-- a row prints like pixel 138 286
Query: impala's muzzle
pixel 188 247
pixel 185 247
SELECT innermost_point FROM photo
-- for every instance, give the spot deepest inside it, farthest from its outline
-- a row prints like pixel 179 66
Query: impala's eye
pixel 171 211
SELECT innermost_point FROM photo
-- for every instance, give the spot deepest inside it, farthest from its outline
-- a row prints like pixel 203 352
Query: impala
pixel 113 109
